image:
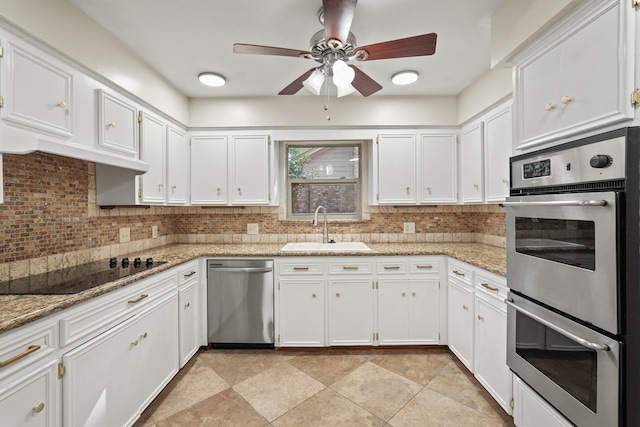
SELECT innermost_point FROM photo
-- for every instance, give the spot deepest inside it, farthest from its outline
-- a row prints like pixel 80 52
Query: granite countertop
pixel 18 310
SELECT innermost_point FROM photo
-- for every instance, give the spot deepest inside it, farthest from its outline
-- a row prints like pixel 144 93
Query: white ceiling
pixel 180 39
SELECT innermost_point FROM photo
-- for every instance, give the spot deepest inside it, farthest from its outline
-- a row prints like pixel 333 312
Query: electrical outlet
pixel 409 227
pixel 252 228
pixel 154 231
pixel 125 234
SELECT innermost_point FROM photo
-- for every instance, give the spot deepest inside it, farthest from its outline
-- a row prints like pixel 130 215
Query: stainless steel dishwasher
pixel 240 303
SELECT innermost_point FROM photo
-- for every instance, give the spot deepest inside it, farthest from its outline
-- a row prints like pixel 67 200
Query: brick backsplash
pixel 50 220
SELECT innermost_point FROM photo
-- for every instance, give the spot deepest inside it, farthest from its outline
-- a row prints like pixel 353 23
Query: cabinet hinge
pixel 438 284
pixel 635 97
pixel 512 404
pixel 634 4
pixel 278 338
pixel 61 370
pixel 378 139
pixel 438 336
pixel 269 140
pixel 140 117
pixel 376 336
pixel 140 193
pixel 278 285
pixel 1 52
pixel 269 197
pixel 378 196
pixel 1 102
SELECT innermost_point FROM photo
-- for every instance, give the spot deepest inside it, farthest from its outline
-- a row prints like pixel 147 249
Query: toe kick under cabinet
pixel 350 301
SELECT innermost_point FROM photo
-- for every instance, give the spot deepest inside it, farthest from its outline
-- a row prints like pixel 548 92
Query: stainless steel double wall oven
pixel 573 266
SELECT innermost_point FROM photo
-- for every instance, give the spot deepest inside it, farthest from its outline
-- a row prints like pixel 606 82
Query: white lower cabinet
pixel 351 310
pixel 188 317
pixel 302 307
pixel 531 410
pixel 460 322
pixel 31 398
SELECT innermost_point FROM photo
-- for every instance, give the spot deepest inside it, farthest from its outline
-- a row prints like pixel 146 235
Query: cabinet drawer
pixel 301 267
pixel 99 315
pixel 392 266
pixel 424 266
pixel 494 286
pixel 188 272
pixel 24 346
pixel 460 272
pixel 351 266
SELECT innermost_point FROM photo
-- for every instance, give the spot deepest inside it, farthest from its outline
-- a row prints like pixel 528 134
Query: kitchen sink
pixel 326 247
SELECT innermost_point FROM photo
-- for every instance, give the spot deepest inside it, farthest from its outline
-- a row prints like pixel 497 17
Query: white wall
pixel 485 91
pixel 307 111
pixel 65 28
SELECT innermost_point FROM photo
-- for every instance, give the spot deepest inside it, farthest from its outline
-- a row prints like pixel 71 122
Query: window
pixel 324 174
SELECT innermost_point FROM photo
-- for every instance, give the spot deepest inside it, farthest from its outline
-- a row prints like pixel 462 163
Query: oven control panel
pixel 593 162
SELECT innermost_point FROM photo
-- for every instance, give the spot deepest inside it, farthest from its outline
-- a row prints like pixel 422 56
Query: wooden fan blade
pixel 296 85
pixel 402 48
pixel 338 15
pixel 255 49
pixel 363 83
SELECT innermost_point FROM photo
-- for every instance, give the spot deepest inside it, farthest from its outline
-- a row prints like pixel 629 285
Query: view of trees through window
pixel 324 175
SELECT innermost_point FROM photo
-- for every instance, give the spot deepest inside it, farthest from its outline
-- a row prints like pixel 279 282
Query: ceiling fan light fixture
pixel 211 79
pixel 404 77
pixel 344 91
pixel 343 75
pixel 314 82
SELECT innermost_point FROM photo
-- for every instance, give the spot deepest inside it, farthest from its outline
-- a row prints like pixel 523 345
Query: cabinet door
pixel 209 170
pixel 460 322
pixel 152 151
pixel 189 318
pixel 490 356
pixel 396 169
pixel 393 311
pixel 117 124
pixel 302 319
pixel 31 397
pixel 177 159
pixel 471 169
pixel 423 310
pixel 531 410
pixel 351 311
pixel 39 91
pixel 157 352
pixel 438 169
pixel 101 383
pixel 498 141
pixel 471 186
pixel 249 170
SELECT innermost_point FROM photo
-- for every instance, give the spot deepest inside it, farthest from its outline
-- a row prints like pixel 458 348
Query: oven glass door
pixel 562 251
pixel 573 367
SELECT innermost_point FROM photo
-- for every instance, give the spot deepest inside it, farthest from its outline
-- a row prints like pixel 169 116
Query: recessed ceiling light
pixel 404 78
pixel 211 79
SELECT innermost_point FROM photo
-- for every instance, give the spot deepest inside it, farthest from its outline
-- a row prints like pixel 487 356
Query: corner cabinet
pixel 577 77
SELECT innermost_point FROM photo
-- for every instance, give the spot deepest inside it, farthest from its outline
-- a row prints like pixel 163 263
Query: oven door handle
pixel 581 341
pixel 558 203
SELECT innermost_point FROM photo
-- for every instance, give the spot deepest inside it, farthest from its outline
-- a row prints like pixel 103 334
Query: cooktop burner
pixel 76 279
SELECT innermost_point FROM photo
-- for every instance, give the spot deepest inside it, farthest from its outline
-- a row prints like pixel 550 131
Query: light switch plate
pixel 409 227
pixel 252 228
pixel 125 234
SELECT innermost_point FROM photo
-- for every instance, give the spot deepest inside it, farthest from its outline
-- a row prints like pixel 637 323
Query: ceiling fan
pixel 334 46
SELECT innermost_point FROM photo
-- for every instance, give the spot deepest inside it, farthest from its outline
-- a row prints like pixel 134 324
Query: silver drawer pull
pixel 349 267
pixel 424 267
pixel 300 268
pixel 137 300
pixel 458 273
pixel 392 267
pixel 491 288
pixel 28 351
pixel 190 274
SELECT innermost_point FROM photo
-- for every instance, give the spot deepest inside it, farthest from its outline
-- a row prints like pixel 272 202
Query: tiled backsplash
pixel 50 220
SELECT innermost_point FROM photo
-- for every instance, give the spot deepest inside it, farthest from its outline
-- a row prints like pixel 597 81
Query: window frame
pixel 359 181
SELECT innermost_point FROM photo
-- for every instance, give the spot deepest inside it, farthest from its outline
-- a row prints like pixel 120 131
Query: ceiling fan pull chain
pixel 326 106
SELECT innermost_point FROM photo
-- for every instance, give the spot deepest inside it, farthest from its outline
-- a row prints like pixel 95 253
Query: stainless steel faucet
pixel 325 230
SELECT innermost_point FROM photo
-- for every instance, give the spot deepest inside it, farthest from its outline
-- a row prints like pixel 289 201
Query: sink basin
pixel 326 247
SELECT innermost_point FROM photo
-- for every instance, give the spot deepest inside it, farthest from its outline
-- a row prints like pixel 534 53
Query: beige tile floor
pixel 394 387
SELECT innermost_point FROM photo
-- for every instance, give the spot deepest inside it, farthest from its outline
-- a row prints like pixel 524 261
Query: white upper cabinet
pixel 117 123
pixel 498 139
pixel 471 163
pixel 438 168
pixel 396 169
pixel 576 78
pixel 152 151
pixel 177 166
pixel 209 170
pixel 250 172
pixel 38 92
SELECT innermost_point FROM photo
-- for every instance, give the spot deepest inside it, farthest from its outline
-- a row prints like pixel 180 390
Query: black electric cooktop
pixel 76 279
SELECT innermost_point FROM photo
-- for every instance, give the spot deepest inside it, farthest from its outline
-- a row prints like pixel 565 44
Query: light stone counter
pixel 18 310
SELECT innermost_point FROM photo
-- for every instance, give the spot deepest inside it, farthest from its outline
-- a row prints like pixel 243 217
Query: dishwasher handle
pixel 242 269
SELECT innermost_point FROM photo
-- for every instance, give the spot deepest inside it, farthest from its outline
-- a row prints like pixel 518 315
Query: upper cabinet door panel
pixel 439 168
pixel 117 124
pixel 152 151
pixel 38 91
pixel 177 165
pixel 250 170
pixel 209 170
pixel 498 140
pixel 471 173
pixel 397 169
